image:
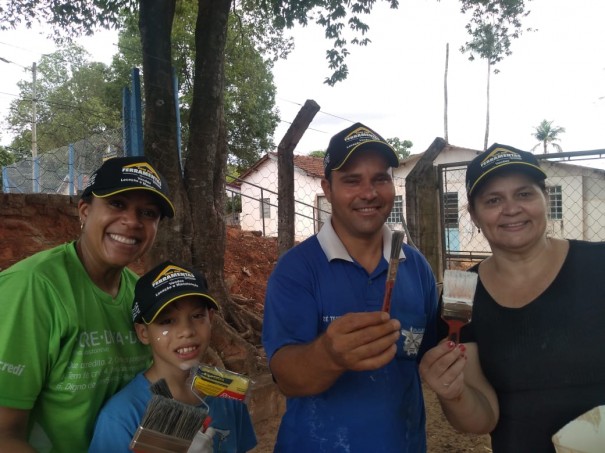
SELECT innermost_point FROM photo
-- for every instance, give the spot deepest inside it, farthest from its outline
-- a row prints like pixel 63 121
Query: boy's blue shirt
pixel 121 416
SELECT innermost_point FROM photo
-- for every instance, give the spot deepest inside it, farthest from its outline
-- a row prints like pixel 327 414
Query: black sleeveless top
pixel 545 360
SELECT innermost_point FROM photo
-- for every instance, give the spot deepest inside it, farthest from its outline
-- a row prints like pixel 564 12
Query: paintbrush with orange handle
pixel 458 294
pixel 396 243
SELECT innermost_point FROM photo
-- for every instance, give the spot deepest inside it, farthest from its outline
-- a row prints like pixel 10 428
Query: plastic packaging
pixel 220 383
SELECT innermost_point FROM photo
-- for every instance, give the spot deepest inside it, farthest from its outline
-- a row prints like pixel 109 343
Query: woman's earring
pixel 479 230
pixel 81 224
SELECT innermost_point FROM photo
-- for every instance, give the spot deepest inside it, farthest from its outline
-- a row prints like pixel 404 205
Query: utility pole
pixel 34 134
pixel 34 119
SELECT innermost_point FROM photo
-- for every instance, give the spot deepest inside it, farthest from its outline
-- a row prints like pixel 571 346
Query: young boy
pixel 172 312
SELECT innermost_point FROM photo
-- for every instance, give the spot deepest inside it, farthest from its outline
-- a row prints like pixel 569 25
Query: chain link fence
pixel 259 206
pixel 63 170
pixel 575 185
pixel 576 204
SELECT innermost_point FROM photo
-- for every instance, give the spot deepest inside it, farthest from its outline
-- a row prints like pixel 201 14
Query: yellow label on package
pixel 211 381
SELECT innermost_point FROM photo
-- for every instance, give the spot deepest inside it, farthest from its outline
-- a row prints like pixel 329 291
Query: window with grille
pixel 450 205
pixel 265 208
pixel 396 215
pixel 555 203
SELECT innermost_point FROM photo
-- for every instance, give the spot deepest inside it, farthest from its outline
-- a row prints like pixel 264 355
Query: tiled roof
pixel 313 166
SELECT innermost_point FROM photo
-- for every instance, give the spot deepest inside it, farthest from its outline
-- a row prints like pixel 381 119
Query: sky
pixel 396 83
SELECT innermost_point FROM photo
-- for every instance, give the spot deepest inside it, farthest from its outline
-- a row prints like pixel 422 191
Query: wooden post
pixel 285 178
pixel 422 207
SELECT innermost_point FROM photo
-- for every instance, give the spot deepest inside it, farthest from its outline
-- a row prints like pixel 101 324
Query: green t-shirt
pixel 66 348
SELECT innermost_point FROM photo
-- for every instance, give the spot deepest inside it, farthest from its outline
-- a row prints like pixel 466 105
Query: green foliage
pixel 402 148
pixel 547 134
pixel 233 204
pixel 72 101
pixel 6 158
pixel 66 18
pixel 339 20
pixel 492 26
pixel 493 22
pixel 318 153
pixel 252 47
pixel 249 95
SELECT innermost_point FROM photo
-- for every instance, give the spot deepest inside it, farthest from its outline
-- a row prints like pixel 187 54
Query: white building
pixel 259 196
pixel 576 198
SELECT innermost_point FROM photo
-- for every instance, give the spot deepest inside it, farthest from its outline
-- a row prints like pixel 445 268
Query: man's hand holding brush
pixel 361 341
pixel 355 341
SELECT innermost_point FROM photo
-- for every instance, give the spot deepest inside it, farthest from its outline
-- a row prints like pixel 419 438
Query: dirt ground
pixel 249 259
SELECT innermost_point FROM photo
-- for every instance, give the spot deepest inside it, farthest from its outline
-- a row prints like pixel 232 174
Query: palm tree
pixel 547 134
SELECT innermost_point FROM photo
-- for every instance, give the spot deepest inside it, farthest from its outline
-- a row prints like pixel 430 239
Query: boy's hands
pixel 202 442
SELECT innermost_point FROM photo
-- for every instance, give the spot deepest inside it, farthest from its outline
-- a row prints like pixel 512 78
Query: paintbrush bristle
pixel 160 387
pixel 173 418
pixel 459 285
pixel 396 243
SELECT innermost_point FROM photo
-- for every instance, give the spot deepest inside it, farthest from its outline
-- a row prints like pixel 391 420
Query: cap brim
pixel 165 204
pixel 523 167
pixel 157 308
pixel 386 150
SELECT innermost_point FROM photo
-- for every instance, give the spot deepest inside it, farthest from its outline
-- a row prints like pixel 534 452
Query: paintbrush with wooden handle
pixel 168 425
pixel 396 243
pixel 458 294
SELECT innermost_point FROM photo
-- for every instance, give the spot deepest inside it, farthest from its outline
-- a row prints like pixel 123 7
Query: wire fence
pixel 575 185
pixel 63 170
pixel 256 208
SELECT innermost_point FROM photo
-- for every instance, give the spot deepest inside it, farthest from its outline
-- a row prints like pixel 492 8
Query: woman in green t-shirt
pixel 66 320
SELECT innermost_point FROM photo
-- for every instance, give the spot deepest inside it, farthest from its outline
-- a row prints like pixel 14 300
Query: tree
pixel 197 233
pixel 72 101
pixel 547 134
pixel 492 27
pixel 402 148
pixel 318 153
pixel 250 93
pixel 6 158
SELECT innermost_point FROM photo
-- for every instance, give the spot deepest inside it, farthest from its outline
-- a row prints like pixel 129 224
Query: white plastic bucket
pixel 585 434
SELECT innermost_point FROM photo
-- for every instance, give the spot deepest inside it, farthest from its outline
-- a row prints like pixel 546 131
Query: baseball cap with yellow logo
pixel 164 284
pixel 496 158
pixel 121 174
pixel 356 138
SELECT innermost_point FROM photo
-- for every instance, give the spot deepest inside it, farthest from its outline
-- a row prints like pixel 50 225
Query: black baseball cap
pixel 496 158
pixel 356 138
pixel 120 174
pixel 164 284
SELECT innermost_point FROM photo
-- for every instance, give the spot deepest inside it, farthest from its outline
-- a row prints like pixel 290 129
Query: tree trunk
pixel 160 130
pixel 205 179
pixel 197 233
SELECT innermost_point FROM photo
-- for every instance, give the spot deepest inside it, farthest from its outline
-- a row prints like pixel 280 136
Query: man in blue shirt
pixel 349 370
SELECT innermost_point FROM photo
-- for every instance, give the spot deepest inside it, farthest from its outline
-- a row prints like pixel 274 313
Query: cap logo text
pixel 144 174
pixel 498 155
